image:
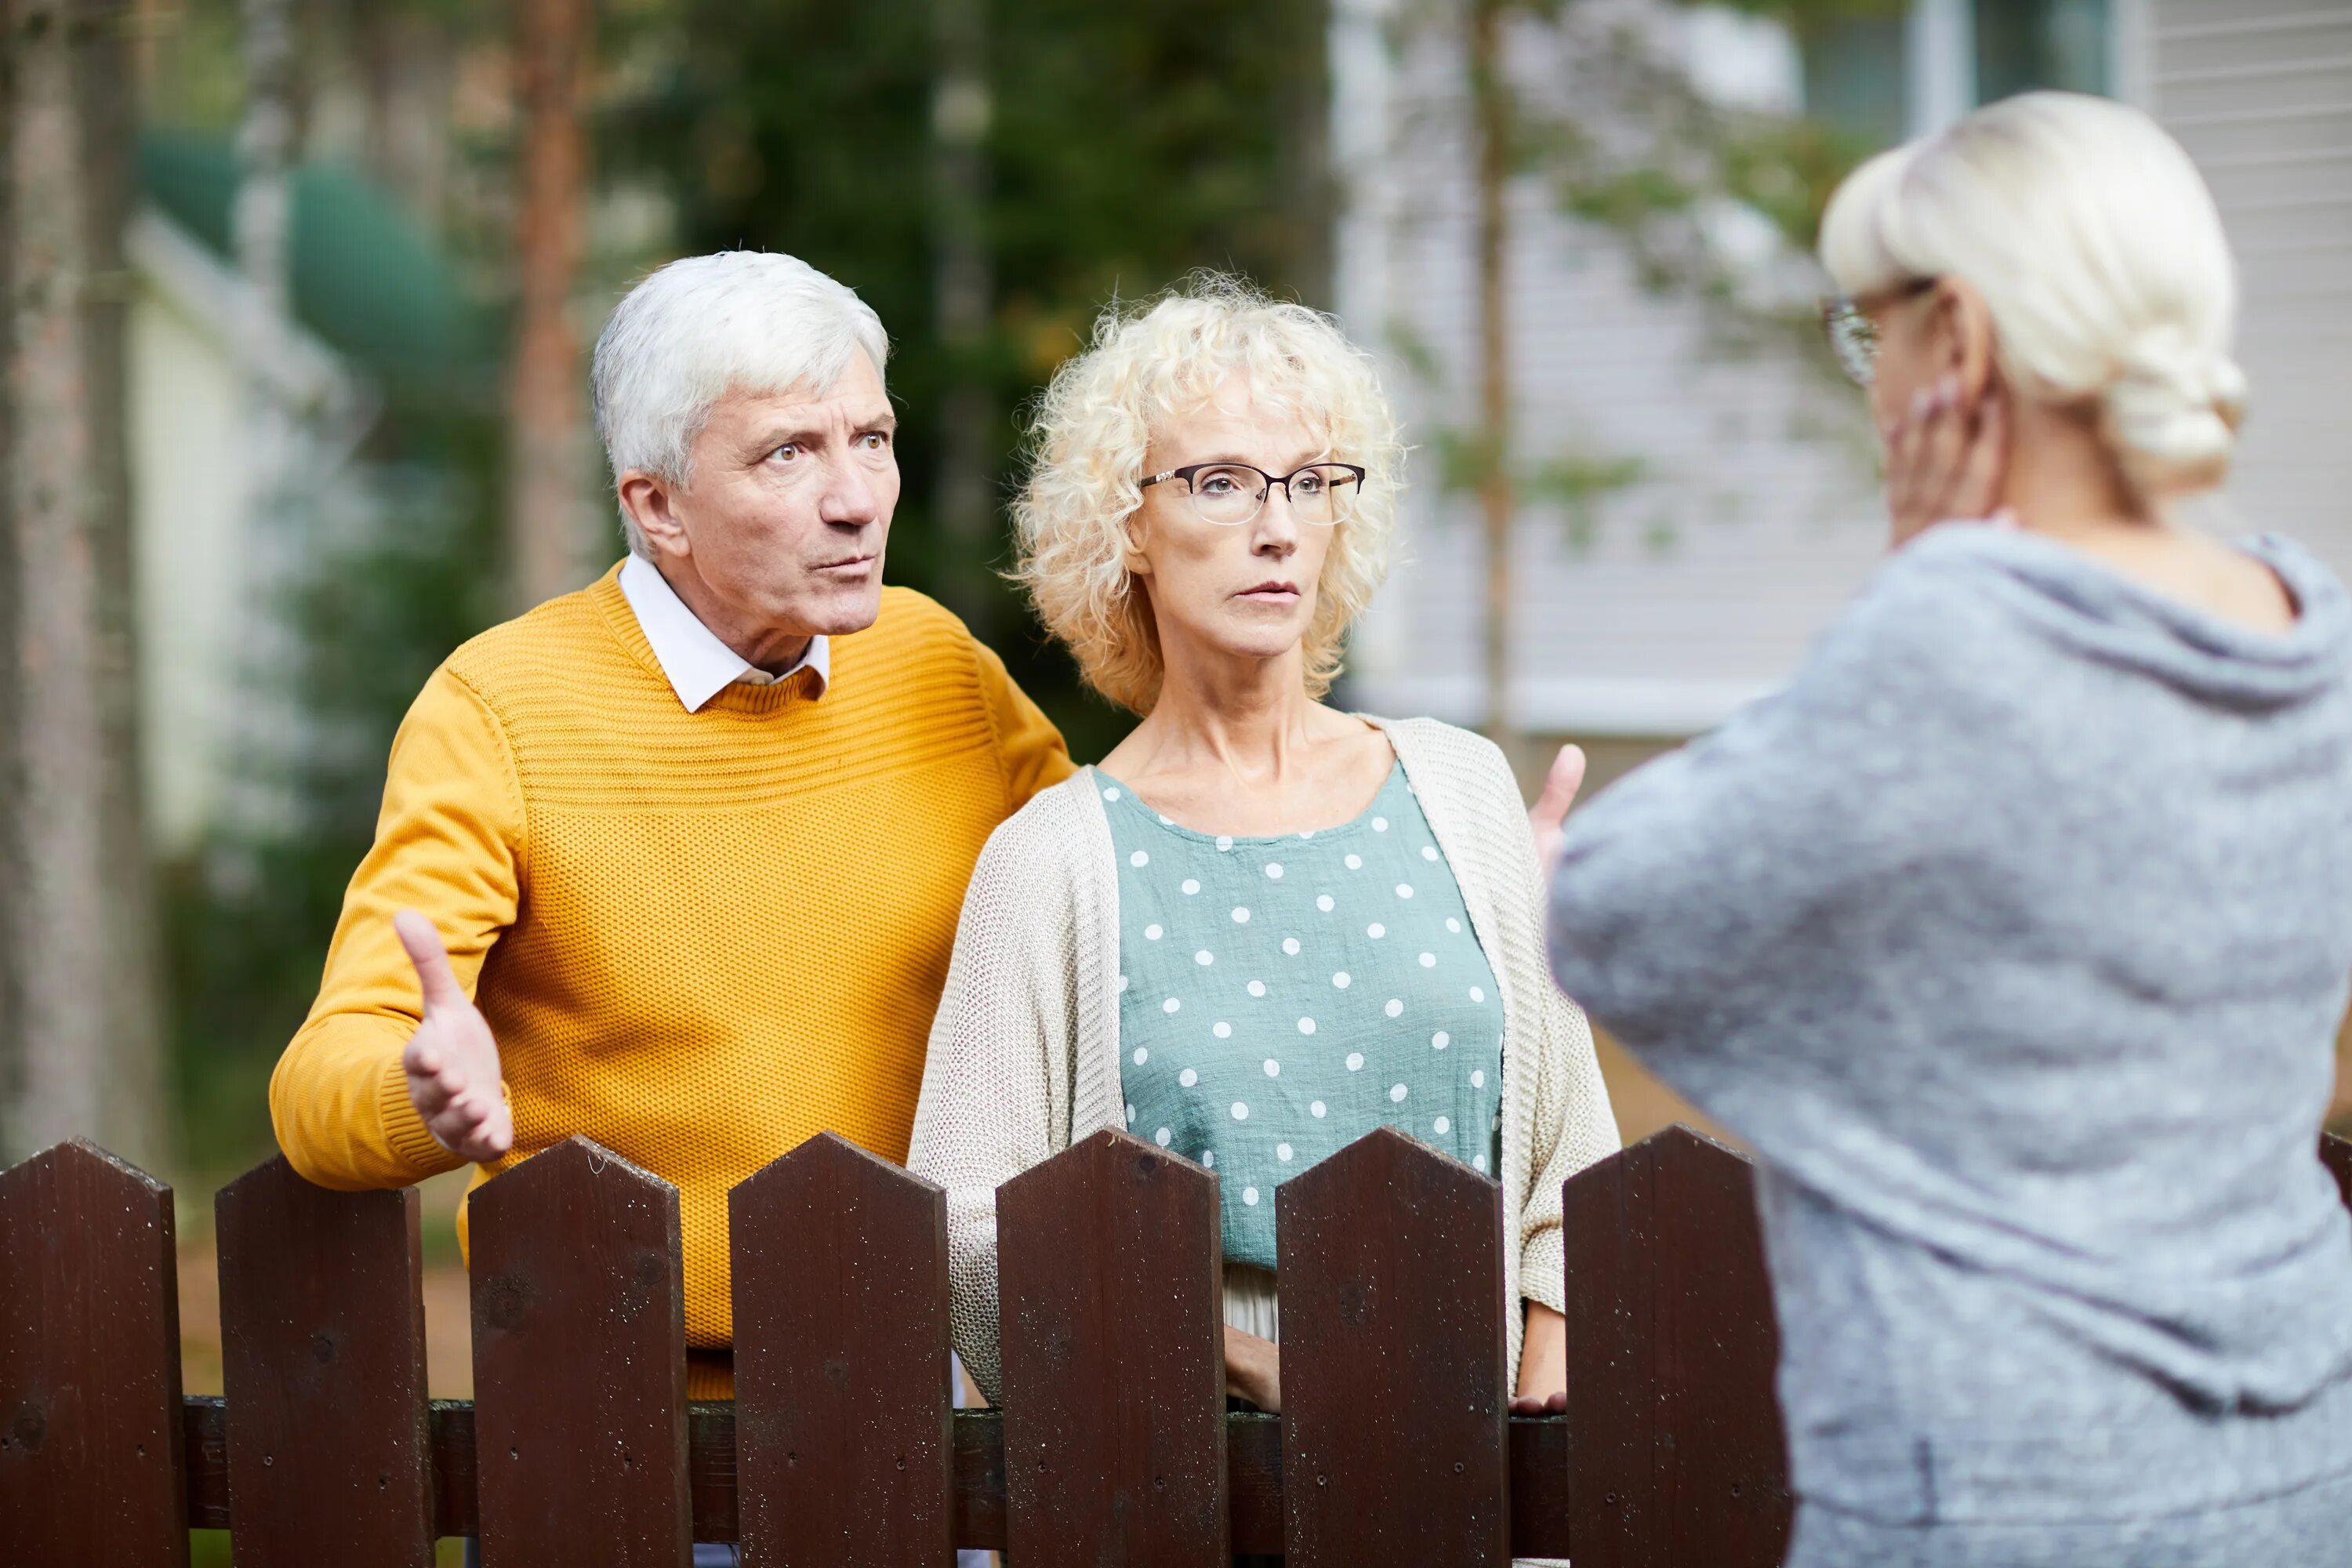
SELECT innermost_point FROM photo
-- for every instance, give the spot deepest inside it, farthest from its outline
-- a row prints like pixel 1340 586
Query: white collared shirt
pixel 698 665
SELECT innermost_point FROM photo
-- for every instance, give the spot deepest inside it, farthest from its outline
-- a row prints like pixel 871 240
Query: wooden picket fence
pixel 1394 1446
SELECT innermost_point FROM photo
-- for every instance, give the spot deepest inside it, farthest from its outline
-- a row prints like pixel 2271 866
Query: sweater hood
pixel 2083 606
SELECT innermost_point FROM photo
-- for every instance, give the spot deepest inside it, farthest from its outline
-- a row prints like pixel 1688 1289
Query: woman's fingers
pixel 1550 809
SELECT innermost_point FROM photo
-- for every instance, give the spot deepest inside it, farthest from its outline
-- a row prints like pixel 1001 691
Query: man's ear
pixel 651 502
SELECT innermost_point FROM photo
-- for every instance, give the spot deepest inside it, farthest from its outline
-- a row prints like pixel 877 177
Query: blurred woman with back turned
pixel 2014 933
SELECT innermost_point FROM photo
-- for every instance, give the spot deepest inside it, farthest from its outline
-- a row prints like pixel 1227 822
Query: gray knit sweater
pixel 2014 936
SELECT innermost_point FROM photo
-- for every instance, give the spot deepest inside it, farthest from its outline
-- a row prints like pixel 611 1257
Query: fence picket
pixel 322 1351
pixel 579 1364
pixel 1675 1431
pixel 91 1462
pixel 1108 1266
pixel 841 1447
pixel 1394 1391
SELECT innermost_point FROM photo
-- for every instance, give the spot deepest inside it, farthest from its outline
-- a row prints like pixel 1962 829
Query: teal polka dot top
pixel 1281 997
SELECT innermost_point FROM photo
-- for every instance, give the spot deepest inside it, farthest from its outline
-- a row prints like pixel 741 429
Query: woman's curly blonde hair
pixel 1087 443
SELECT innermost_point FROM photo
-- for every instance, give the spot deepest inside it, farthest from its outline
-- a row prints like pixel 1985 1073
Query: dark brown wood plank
pixel 1674 1438
pixel 2335 1153
pixel 322 1352
pixel 842 1415
pixel 579 1364
pixel 980 1480
pixel 1253 1468
pixel 1109 1268
pixel 92 1465
pixel 203 1436
pixel 1393 1386
pixel 1539 1485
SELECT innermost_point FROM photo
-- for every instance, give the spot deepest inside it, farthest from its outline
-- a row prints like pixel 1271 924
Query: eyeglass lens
pixel 1229 496
pixel 1854 338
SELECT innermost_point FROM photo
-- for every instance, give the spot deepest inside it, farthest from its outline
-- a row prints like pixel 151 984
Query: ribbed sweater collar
pixel 751 701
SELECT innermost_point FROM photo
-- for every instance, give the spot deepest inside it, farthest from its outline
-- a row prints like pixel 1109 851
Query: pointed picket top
pixel 579 1362
pixel 1677 1452
pixel 1109 1282
pixel 90 1456
pixel 322 1351
pixel 2335 1153
pixel 843 1446
pixel 1395 1406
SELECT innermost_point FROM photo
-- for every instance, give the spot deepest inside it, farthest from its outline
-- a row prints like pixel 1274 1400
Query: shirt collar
pixel 700 666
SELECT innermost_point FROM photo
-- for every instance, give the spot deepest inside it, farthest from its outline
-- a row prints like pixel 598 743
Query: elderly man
pixel 676 860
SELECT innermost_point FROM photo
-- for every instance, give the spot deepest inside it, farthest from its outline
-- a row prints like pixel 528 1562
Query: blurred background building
pixel 1691 508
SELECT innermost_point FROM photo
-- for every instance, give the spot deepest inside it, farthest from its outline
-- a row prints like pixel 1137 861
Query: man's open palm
pixel 452 1061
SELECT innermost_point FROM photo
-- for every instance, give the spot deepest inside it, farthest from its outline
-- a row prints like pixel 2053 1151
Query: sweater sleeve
pixel 1034 754
pixel 1682 892
pixel 1574 1124
pixel 449 843
pixel 996 1084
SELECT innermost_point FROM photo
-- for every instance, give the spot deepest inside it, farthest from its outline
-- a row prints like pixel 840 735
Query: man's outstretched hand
pixel 452 1061
pixel 1550 809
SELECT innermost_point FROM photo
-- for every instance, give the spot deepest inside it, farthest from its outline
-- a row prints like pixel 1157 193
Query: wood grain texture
pixel 92 1465
pixel 1676 1457
pixel 1393 1386
pixel 322 1351
pixel 843 1453
pixel 1253 1471
pixel 1109 1271
pixel 579 1364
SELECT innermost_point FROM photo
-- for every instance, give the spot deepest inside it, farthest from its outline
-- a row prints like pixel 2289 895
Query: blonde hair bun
pixel 2172 412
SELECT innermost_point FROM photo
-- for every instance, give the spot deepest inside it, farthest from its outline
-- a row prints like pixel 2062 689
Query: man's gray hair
pixel 737 321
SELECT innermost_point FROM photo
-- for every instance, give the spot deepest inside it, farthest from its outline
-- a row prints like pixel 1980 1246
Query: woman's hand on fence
pixel 1550 809
pixel 1543 1364
pixel 1947 457
pixel 452 1061
pixel 1253 1370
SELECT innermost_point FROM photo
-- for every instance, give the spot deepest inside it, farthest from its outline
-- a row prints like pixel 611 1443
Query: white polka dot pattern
pixel 1296 916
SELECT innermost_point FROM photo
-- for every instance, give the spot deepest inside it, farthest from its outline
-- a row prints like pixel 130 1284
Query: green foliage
pixel 247 918
pixel 1127 145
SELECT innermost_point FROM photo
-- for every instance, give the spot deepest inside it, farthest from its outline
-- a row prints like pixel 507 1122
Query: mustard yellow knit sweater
pixel 698 938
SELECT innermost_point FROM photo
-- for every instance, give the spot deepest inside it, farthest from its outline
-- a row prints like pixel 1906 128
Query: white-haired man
pixel 677 860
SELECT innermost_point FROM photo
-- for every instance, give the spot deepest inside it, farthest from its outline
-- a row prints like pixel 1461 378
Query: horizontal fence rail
pixel 841 1449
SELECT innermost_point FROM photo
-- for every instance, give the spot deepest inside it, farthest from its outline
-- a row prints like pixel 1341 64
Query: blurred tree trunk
pixel 1309 187
pixel 962 286
pixel 1491 124
pixel 79 1039
pixel 547 504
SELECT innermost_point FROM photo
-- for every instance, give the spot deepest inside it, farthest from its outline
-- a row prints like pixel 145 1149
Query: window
pixel 2021 45
pixel 1882 75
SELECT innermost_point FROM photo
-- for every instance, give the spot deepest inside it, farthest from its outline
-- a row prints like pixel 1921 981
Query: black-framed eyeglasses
pixel 1231 494
pixel 1853 333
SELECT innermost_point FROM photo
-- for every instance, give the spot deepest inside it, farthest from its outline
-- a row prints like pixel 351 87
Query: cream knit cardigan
pixel 1024 1055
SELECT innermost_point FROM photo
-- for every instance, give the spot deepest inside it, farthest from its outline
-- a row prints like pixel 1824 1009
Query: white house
pixel 1755 517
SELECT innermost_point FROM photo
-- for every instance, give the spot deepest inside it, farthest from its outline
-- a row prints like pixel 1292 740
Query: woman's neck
pixel 1248 717
pixel 2061 480
pixel 2064 484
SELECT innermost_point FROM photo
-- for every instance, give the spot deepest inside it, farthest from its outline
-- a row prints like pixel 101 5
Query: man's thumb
pixel 431 959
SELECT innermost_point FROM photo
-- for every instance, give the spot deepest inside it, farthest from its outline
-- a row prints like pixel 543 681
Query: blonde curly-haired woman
pixel 1261 927
pixel 2014 934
